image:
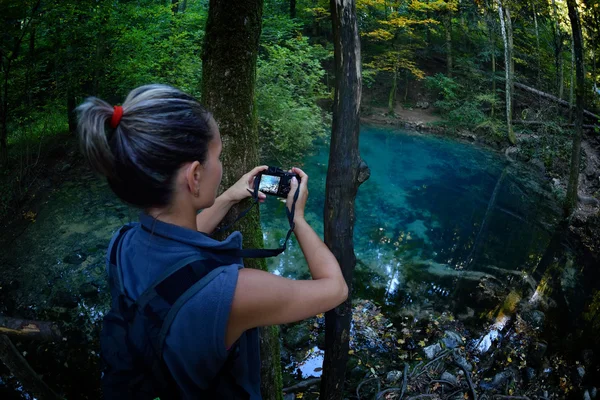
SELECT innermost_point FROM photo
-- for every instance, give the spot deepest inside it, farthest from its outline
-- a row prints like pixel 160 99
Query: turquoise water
pixel 434 213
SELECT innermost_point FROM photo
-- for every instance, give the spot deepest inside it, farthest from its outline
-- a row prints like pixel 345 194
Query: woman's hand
pixel 244 187
pixel 302 196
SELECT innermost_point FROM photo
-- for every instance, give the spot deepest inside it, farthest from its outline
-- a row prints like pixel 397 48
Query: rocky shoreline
pixel 438 355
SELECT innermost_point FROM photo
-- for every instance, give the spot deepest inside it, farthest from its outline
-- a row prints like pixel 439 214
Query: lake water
pixel 434 214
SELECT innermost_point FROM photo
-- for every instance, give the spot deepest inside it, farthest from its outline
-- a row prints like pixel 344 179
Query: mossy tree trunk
pixel 572 82
pixel 537 45
pixel 345 173
pixel 558 48
pixel 392 96
pixel 231 43
pixel 506 30
pixel 571 199
pixel 448 31
pixel 492 43
pixel 4 118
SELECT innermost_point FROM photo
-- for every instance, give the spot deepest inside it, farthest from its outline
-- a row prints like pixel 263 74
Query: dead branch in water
pixel 24 328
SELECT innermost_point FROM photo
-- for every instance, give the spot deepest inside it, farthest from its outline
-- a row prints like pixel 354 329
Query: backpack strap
pixel 117 288
pixel 189 293
pixel 113 250
pixel 164 298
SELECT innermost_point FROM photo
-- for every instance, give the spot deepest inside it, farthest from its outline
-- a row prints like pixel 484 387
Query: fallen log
pixel 24 328
pixel 20 368
pixel 525 122
pixel 302 385
pixel 553 98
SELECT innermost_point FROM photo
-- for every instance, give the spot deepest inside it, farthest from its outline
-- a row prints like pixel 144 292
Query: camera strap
pixel 263 253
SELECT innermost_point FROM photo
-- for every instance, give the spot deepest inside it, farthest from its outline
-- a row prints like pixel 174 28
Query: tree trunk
pixel 4 116
pixel 23 328
pixel 228 76
pixel 392 96
pixel 571 199
pixel 183 6
pixel 537 45
pixel 448 29
pixel 492 43
pixel 292 8
pixel 594 67
pixel 71 104
pixel 30 69
pixel 509 76
pixel 98 64
pixel 345 173
pixel 20 368
pixel 571 91
pixel 175 6
pixel 511 50
pixel 561 77
pixel 557 48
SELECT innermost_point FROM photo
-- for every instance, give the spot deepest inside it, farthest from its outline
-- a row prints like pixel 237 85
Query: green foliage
pixel 289 84
pixel 30 129
pixel 33 137
pixel 279 28
pixel 157 46
pixel 444 88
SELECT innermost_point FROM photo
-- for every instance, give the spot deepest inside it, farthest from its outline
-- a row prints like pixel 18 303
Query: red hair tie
pixel 116 117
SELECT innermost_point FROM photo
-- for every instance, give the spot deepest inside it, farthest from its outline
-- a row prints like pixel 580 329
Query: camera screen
pixel 269 184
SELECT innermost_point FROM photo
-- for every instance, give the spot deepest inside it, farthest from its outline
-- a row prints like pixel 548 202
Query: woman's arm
pixel 208 220
pixel 211 217
pixel 262 298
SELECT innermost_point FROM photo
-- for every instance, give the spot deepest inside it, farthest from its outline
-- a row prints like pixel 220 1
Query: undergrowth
pixel 31 139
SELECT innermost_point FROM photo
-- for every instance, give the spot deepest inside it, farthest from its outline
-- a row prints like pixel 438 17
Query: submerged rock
pixel 588 357
pixel 75 258
pixel 393 377
pixel 452 339
pixel 529 375
pixel 88 291
pixel 432 351
pixel 498 381
pixel 535 318
pixel 469 313
pixel 297 336
pixel 65 300
pixel 462 362
pixel 537 353
pixel 447 376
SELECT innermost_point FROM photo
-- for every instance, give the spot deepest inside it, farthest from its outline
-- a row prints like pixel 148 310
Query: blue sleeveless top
pixel 195 347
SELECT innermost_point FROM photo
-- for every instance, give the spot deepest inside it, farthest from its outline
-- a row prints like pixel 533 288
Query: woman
pixel 162 155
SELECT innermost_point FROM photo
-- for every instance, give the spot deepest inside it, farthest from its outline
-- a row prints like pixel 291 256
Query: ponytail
pixel 93 115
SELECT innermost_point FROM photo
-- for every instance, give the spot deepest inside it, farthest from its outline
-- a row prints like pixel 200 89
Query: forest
pixel 473 251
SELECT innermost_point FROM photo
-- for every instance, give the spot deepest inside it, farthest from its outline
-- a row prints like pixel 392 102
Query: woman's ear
pixel 193 177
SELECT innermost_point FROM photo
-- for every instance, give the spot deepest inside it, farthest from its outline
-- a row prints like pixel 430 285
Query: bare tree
pixel 345 173
pixel 506 28
pixel 571 199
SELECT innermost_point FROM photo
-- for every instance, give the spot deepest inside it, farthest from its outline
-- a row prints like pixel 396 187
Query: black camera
pixel 275 182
